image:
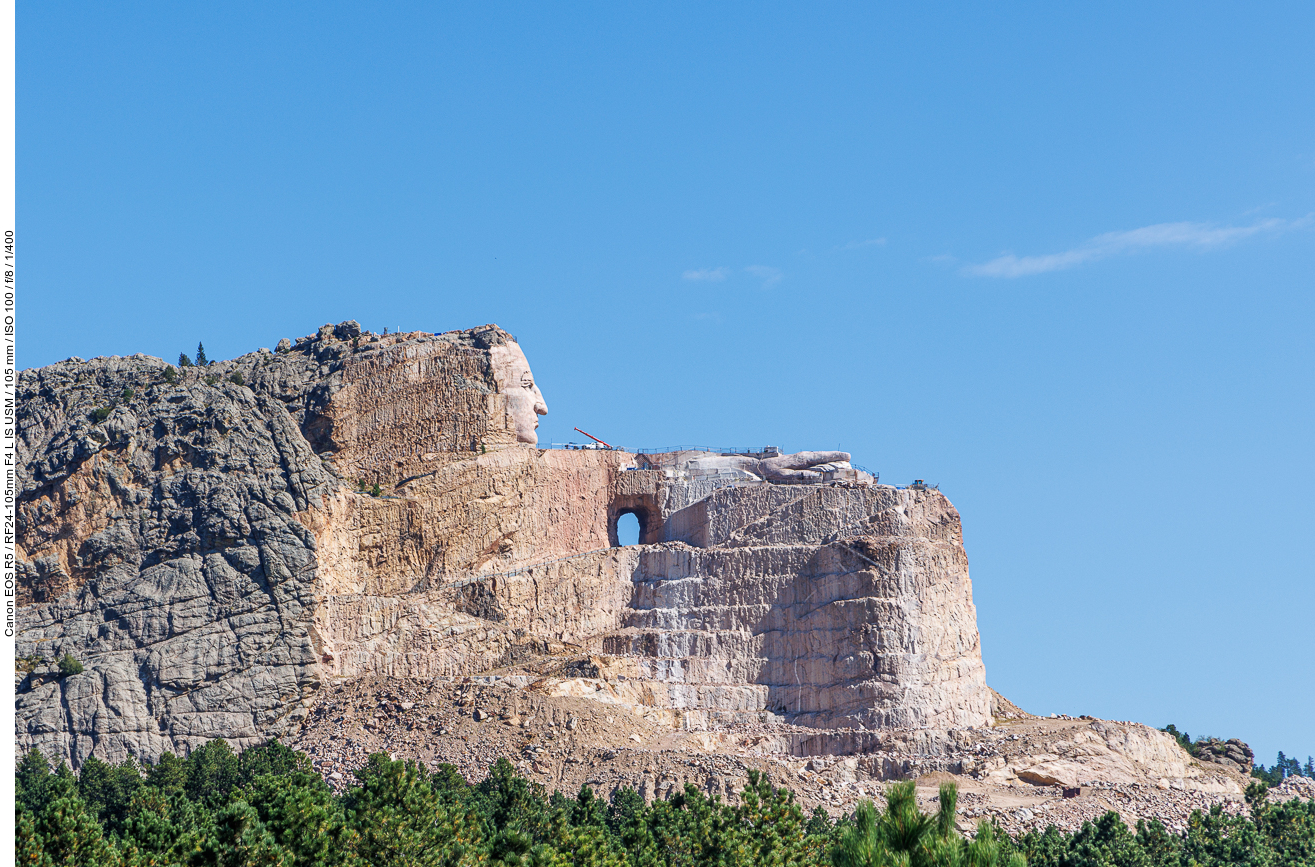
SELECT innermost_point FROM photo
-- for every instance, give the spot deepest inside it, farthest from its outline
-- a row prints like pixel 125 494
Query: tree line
pixel 267 807
pixel 1274 775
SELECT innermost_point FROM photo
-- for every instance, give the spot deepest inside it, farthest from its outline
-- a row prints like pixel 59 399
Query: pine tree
pixel 400 820
pixel 301 813
pixel 183 360
pixel 108 789
pixel 200 355
pixel 213 770
pixel 32 780
pixel 69 833
pixel 30 849
pixel 164 827
pixel 169 774
pixel 240 838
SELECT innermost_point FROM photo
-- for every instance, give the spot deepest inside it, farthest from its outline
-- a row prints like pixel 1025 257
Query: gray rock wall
pixel 198 540
pixel 160 546
pixel 167 524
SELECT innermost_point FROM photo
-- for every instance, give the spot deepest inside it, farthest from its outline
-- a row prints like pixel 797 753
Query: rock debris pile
pixel 355 544
pixel 564 743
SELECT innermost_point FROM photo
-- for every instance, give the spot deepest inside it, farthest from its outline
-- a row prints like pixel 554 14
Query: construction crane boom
pixel 594 438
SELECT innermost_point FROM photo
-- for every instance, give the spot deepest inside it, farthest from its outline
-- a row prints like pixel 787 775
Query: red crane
pixel 594 438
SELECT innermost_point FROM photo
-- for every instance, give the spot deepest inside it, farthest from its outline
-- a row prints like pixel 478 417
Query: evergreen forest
pixel 266 807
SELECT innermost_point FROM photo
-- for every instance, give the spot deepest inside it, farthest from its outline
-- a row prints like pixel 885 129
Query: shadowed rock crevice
pixel 478 600
pixel 215 543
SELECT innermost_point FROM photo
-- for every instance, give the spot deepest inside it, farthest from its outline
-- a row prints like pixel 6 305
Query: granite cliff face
pixel 209 543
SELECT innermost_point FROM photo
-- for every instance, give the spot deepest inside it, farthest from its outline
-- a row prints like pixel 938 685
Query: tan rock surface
pixel 560 733
pixel 206 546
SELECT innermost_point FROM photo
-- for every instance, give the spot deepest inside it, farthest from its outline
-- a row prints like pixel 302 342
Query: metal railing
pixel 738 451
pixel 745 451
pixel 876 476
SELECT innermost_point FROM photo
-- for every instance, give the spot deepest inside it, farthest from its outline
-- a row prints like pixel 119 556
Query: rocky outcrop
pixel 1232 754
pixel 164 529
pixel 1079 752
pixel 579 738
pixel 215 544
pixel 843 605
pixel 159 544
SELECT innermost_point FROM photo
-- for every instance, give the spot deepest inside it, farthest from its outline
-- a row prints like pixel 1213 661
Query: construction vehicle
pixel 596 444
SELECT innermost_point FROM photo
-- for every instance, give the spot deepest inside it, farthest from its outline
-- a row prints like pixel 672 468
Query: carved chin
pixel 530 436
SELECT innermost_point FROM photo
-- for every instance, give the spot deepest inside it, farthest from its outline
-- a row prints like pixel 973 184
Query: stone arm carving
pixel 798 468
pixel 795 467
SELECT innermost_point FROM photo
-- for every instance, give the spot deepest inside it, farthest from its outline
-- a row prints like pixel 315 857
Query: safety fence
pixel 759 452
pixel 743 451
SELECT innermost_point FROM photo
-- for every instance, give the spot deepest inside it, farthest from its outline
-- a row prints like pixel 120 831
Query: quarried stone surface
pixel 216 544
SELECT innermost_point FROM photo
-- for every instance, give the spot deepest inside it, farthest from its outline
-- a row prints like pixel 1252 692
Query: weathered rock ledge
pixel 219 545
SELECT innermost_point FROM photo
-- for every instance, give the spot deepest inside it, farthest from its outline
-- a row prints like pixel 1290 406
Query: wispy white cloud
pixel 766 273
pixel 714 275
pixel 1198 235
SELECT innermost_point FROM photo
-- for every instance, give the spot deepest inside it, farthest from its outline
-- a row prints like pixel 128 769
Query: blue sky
pixel 1058 260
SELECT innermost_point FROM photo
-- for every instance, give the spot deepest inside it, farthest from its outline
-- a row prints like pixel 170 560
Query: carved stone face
pixel 524 400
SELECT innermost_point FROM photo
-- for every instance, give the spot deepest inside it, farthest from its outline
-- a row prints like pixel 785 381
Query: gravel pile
pixel 564 743
pixel 1131 802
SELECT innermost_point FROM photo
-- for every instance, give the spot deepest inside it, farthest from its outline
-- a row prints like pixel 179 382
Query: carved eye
pixel 527 381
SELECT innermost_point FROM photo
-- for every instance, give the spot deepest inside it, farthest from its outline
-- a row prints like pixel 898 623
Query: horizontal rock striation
pixel 856 616
pixel 215 544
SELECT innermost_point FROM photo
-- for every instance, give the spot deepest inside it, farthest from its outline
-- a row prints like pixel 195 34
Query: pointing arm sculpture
pixel 797 467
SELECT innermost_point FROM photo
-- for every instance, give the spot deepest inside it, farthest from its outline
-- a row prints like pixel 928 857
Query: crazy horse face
pixel 524 400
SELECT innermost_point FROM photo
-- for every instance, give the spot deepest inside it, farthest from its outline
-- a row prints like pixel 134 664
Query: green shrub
pixel 1282 769
pixel 236 378
pixel 127 394
pixel 266 806
pixel 100 413
pixel 211 379
pixel 69 666
pixel 170 375
pixel 1183 738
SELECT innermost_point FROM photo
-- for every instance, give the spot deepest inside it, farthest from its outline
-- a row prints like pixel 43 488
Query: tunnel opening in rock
pixel 627 529
pixel 628 510
pixel 629 525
